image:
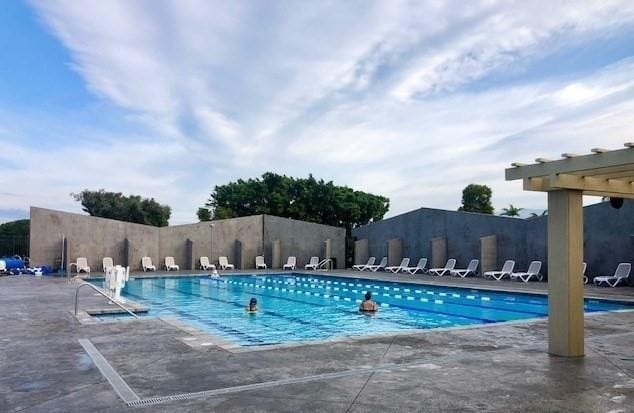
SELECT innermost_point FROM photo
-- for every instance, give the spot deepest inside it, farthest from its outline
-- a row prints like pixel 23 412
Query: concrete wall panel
pixel 361 251
pixel 302 239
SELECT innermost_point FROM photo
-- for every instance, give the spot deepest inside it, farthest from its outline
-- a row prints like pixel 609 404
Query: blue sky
pixel 411 100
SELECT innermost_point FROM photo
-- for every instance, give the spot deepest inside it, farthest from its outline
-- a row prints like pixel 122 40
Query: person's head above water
pixel 368 295
pixel 253 301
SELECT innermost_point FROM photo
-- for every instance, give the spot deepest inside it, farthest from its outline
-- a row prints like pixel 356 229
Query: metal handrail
pixel 102 293
pixel 324 262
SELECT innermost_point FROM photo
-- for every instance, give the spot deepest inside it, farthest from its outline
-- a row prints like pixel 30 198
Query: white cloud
pixel 383 96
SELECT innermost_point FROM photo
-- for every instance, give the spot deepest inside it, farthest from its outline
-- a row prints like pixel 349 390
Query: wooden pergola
pixel 602 173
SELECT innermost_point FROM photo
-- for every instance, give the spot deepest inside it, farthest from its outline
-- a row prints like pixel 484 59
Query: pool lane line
pixel 273 313
pixel 420 310
pixel 118 384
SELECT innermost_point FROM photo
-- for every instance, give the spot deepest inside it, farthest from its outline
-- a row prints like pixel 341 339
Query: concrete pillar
pixel 438 252
pixel 126 252
pixel 328 253
pixel 276 260
pixel 394 251
pixel 565 284
pixel 361 251
pixel 66 252
pixel 190 260
pixel 488 253
pixel 238 256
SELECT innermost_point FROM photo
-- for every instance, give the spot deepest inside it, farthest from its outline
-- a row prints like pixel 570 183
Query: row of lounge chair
pixel 533 272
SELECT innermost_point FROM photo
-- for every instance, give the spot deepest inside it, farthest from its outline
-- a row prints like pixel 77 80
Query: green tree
pixel 14 237
pixel 306 199
pixel 115 205
pixel 476 198
pixel 543 214
pixel 204 214
pixel 511 211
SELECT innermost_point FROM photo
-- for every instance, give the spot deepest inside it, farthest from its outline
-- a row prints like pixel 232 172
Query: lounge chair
pixel 259 263
pixel 422 263
pixel 471 269
pixel 312 264
pixel 205 264
pixel 170 264
pixel 375 268
pixel 451 263
pixel 507 270
pixel 532 272
pixel 291 262
pixel 583 273
pixel 107 263
pixel 361 267
pixel 3 266
pixel 81 265
pixel 146 264
pixel 397 268
pixel 621 275
pixel 224 263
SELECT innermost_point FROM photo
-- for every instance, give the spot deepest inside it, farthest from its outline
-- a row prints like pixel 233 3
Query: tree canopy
pixel 306 199
pixel 477 198
pixel 14 237
pixel 511 211
pixel 132 208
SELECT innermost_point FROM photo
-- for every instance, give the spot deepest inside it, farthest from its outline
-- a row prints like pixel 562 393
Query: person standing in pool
pixel 253 305
pixel 367 305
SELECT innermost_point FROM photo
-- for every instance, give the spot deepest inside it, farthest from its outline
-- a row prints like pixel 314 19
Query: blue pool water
pixel 298 307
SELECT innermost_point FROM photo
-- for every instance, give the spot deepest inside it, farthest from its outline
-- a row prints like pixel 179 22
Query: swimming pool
pixel 300 307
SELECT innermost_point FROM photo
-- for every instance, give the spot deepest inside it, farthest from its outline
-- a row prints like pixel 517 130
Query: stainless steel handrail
pixel 102 293
pixel 323 263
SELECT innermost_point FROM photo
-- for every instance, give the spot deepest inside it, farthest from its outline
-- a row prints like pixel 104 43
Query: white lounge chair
pixel 375 268
pixel 291 262
pixel 259 263
pixel 471 269
pixel 107 263
pixel 532 272
pixel 397 268
pixel 620 276
pixel 3 266
pixel 224 263
pixel 205 264
pixel 361 267
pixel 422 263
pixel 170 264
pixel 312 264
pixel 146 264
pixel 81 265
pixel 507 270
pixel 584 267
pixel 451 263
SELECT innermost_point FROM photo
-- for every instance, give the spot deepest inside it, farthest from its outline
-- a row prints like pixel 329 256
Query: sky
pixel 412 100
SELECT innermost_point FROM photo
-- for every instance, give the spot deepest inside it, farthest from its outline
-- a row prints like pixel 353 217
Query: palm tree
pixel 543 214
pixel 511 211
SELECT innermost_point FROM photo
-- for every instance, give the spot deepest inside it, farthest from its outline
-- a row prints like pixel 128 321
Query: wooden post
pixel 565 284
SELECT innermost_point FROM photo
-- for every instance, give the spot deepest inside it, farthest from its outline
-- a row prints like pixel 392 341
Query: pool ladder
pixel 322 264
pixel 102 293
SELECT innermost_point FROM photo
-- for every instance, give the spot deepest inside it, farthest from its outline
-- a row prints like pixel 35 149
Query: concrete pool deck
pixel 505 368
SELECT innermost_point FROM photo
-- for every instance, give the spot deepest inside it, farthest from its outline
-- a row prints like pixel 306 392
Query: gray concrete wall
pixel 463 231
pixel 90 237
pixel 225 232
pixel 95 238
pixel 302 239
pixel 608 236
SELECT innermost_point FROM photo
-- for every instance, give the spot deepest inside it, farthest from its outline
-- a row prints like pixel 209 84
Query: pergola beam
pixel 610 159
pixel 589 185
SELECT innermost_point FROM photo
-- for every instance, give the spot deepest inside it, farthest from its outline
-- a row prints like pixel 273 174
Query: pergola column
pixel 565 284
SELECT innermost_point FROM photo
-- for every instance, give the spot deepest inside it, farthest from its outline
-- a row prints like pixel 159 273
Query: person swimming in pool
pixel 253 305
pixel 367 305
